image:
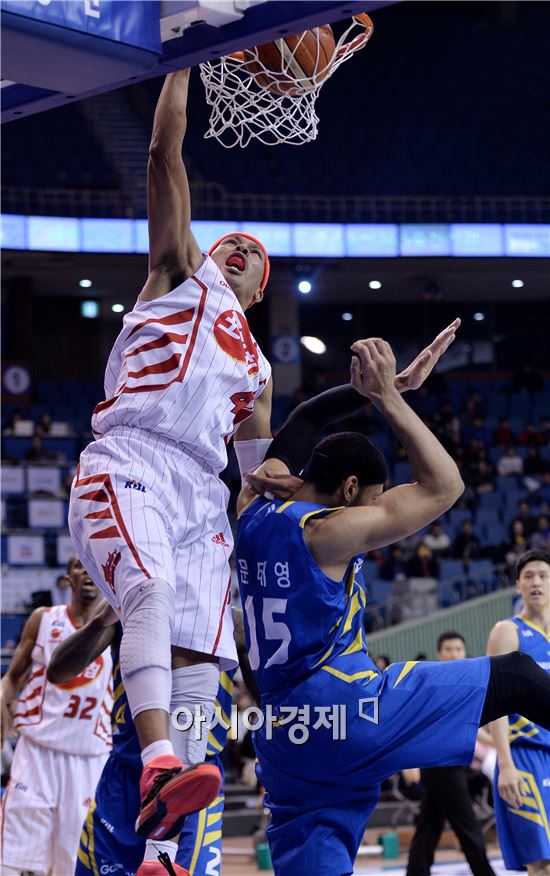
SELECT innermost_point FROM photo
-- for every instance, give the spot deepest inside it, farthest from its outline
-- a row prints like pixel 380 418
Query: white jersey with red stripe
pixel 185 367
pixel 75 717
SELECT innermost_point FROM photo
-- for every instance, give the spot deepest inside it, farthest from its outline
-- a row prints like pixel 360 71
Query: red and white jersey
pixel 185 367
pixel 75 717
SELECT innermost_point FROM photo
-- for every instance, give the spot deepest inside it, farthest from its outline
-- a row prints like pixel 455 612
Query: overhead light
pixel 314 345
pixel 85 284
pixel 375 284
pixel 347 316
pixel 304 286
pixel 517 284
pixel 479 317
pixel 89 309
pixel 118 308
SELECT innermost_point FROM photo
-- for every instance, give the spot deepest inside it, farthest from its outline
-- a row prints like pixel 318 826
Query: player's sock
pixel 194 689
pixel 517 684
pixel 161 746
pixel 153 848
pixel 148 614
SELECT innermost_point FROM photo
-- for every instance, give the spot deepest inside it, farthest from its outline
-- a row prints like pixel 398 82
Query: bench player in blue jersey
pixel 335 726
pixel 522 778
pixel 109 843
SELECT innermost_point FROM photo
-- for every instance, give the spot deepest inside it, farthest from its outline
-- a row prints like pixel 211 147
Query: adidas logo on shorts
pixel 219 538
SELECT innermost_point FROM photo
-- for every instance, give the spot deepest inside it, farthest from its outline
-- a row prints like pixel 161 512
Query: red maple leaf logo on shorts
pixel 109 568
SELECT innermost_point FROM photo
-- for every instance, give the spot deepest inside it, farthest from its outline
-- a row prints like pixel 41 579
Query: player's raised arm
pixel 80 649
pixel 174 254
pixel 402 510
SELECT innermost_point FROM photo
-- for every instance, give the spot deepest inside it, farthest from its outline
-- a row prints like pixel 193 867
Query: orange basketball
pixel 292 64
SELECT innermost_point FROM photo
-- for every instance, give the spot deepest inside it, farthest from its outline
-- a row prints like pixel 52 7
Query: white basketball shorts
pixel 44 807
pixel 143 507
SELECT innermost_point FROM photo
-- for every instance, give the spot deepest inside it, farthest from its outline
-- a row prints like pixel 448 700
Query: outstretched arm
pixel 81 648
pixel 174 254
pixel 402 510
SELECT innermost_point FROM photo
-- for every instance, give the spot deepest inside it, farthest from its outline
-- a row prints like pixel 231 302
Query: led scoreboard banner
pixel 286 239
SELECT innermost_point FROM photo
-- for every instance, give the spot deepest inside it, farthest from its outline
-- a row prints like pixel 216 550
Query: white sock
pixel 153 848
pixel 161 746
pixel 194 688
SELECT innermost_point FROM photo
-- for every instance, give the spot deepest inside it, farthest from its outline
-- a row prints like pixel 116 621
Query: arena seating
pixel 35 543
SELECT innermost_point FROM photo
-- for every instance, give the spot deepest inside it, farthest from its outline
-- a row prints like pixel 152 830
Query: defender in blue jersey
pixel 522 778
pixel 334 726
pixel 108 841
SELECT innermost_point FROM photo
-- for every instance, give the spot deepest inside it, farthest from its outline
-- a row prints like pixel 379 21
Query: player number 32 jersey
pixel 185 366
pixel 75 717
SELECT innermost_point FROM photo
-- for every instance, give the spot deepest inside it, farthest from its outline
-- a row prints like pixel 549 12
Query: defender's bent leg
pixel 517 684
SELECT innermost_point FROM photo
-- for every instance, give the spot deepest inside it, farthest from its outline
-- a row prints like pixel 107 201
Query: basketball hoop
pixel 243 109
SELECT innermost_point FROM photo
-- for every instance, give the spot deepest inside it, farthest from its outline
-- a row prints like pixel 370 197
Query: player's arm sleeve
pixel 295 441
pixel 76 652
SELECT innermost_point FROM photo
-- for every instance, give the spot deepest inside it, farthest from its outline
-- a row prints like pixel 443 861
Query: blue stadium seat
pixel 491 501
pixel 379 590
pixel 507 483
pixel 494 534
pixel 485 516
pixel 450 569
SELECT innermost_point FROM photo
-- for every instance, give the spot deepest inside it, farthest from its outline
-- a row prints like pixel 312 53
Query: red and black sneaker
pixel 169 792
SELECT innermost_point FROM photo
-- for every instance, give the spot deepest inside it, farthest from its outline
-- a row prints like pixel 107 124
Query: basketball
pixel 295 64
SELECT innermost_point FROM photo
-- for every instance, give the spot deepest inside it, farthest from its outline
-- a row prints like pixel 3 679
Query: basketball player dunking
pixel 148 510
pixel 65 738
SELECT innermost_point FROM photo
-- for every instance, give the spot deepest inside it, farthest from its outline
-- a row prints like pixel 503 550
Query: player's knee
pixel 148 612
pixel 515 661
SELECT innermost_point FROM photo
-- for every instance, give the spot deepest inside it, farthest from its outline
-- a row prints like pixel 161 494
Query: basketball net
pixel 242 110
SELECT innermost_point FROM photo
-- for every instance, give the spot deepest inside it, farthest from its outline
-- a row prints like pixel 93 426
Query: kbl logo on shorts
pixel 133 485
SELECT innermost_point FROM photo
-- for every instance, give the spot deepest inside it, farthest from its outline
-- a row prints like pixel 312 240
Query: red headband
pixel 265 277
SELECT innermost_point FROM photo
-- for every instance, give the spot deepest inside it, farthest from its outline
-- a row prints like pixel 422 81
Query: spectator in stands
pixel 528 378
pixel 477 429
pixel 534 464
pixel 544 430
pixel 466 545
pixel 422 564
pixel 437 540
pixel 525 517
pixel 510 464
pixel 393 565
pixel 530 437
pixel 482 478
pixel 37 452
pixel 44 425
pixel 540 540
pixel 472 408
pixel 15 416
pixel 504 437
pixel 543 494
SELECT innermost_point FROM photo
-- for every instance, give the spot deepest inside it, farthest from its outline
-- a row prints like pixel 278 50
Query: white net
pixel 242 109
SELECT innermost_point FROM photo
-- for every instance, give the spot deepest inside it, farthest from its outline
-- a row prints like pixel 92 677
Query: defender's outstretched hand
pixel 373 369
pixel 420 368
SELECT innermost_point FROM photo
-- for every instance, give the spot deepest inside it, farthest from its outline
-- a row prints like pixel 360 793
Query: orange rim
pixel 360 40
